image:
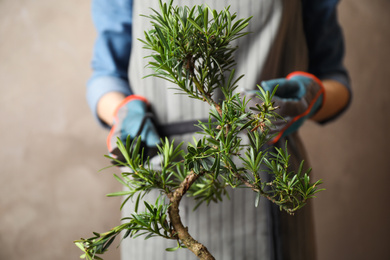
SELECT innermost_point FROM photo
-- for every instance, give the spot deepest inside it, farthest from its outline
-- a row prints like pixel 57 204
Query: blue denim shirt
pixel 113 20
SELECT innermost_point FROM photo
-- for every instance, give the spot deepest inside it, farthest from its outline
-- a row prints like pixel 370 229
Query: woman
pixel 287 36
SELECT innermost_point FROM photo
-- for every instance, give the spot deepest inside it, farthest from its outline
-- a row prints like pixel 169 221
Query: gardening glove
pixel 300 95
pixel 132 118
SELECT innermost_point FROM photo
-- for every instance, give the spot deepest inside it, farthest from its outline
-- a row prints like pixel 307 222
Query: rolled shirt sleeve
pixel 325 43
pixel 110 61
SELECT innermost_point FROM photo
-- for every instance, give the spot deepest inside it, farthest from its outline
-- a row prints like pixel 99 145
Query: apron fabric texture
pixel 233 229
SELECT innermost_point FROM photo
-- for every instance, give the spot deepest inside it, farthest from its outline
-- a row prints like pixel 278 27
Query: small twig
pixel 253 187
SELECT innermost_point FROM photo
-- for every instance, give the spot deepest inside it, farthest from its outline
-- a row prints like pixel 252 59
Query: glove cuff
pixel 127 100
pixel 317 80
pixel 116 119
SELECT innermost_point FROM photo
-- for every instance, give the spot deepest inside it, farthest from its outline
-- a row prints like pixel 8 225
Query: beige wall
pixel 51 149
pixel 351 155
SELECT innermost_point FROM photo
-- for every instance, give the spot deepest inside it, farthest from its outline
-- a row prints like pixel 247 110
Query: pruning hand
pixel 131 118
pixel 300 95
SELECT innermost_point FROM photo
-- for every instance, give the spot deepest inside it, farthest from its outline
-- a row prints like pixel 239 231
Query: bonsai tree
pixel 191 47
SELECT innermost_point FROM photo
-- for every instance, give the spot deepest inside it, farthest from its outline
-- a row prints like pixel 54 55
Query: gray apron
pixel 233 229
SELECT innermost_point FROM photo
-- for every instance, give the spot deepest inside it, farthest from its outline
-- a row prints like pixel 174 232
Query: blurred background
pixel 51 192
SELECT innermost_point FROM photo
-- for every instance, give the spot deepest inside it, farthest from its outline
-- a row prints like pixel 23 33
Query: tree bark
pixel 182 232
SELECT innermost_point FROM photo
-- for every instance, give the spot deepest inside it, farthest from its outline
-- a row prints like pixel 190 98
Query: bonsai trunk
pixel 182 232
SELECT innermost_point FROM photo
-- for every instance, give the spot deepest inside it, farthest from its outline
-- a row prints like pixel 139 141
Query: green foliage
pixel 290 190
pixel 142 178
pixel 150 223
pixel 191 48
